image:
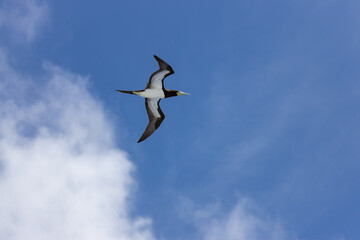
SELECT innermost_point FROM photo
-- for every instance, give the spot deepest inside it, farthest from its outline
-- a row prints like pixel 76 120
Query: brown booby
pixel 153 93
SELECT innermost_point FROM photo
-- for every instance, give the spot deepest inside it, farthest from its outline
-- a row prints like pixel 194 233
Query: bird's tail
pixel 123 91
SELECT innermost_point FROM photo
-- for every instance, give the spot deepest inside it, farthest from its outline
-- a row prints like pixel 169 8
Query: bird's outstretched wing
pixel 157 78
pixel 156 116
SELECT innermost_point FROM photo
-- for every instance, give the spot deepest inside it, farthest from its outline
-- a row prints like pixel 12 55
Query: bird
pixel 153 93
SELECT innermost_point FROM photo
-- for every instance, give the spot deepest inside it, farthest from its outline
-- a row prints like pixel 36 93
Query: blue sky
pixel 265 147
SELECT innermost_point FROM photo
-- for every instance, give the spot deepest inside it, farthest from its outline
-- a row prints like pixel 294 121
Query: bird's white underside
pixel 156 80
pixel 152 93
pixel 153 105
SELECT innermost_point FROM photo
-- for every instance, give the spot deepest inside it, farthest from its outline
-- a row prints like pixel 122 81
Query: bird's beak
pixel 182 93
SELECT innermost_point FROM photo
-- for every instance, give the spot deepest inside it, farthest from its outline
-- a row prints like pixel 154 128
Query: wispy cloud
pixel 23 19
pixel 244 221
pixel 62 176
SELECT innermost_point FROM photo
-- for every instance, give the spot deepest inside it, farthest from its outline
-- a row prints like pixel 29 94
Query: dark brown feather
pixel 163 66
pixel 154 120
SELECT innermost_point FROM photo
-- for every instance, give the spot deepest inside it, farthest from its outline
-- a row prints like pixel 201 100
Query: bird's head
pixel 174 93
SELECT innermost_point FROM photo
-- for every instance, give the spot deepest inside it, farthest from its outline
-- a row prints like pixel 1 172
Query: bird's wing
pixel 156 116
pixel 157 78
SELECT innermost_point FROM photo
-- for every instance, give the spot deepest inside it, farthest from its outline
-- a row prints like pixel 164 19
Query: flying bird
pixel 153 93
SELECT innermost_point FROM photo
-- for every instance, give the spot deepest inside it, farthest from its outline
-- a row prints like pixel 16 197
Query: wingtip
pixel 141 139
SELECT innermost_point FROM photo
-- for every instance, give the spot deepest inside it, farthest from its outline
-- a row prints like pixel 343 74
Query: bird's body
pixel 153 93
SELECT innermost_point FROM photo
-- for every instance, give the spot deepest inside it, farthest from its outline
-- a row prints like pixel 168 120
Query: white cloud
pixel 23 19
pixel 243 222
pixel 61 176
